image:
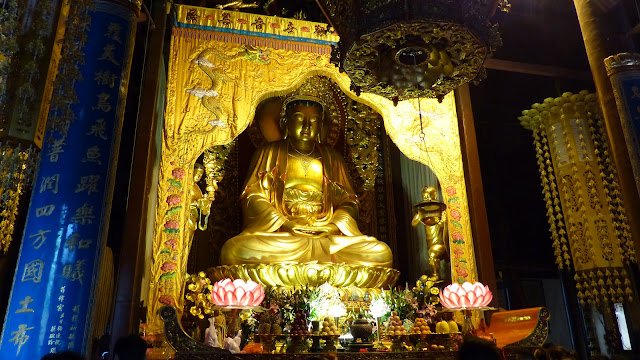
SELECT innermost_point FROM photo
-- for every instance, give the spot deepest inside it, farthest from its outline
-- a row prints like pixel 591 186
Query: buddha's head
pixel 303 114
pixel 303 120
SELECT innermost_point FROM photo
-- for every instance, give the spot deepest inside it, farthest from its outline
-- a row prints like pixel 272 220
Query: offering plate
pixel 268 341
pixel 397 342
pixel 299 344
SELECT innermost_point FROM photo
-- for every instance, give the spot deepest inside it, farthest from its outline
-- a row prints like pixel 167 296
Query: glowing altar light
pixel 378 307
pixel 237 292
pixel 337 310
pixel 465 296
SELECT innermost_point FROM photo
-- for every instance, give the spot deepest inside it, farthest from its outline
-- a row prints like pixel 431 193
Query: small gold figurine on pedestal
pixel 199 205
pixel 432 214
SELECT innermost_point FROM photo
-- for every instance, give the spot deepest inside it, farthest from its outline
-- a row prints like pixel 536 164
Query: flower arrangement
pixel 198 295
pixel 284 304
pixel 402 301
pixel 321 300
pixel 427 298
pixel 420 301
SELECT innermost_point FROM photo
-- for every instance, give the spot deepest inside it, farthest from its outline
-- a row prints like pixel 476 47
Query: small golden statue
pixel 298 203
pixel 199 204
pixel 432 214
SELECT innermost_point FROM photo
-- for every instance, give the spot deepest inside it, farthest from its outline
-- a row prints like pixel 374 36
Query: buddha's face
pixel 198 171
pixel 303 122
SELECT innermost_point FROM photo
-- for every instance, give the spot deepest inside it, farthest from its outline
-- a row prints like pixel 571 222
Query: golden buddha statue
pixel 432 214
pixel 298 203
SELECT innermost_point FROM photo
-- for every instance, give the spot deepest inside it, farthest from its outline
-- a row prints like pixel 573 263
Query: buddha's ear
pixel 284 129
pixel 319 135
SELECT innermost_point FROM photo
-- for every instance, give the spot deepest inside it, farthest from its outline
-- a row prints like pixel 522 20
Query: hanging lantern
pixel 586 215
pixel 405 49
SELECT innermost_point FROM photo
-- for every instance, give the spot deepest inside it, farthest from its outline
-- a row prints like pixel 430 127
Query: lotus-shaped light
pixel 465 296
pixel 237 293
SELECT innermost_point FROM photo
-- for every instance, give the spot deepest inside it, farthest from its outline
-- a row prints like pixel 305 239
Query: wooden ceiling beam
pixel 535 69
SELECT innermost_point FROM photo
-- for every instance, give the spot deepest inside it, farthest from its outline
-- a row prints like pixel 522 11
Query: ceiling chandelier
pixel 403 49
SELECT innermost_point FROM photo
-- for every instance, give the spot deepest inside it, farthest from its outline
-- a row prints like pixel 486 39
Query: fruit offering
pixel 268 325
pixel 421 327
pixel 453 326
pixel 276 329
pixel 264 328
pixel 442 327
pixel 329 327
pixel 395 325
pixel 446 327
pixel 300 325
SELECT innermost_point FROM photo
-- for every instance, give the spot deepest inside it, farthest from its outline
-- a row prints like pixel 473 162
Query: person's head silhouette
pixel 131 347
pixel 474 348
pixel 64 355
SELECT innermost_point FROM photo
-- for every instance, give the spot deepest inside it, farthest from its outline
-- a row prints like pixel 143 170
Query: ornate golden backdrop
pixel 222 65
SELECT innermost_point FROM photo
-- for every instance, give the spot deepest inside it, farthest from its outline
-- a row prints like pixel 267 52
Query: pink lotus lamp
pixel 234 295
pixel 465 296
pixel 237 293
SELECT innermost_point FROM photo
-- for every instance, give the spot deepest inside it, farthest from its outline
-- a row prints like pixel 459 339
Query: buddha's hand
pixel 304 230
pixel 295 228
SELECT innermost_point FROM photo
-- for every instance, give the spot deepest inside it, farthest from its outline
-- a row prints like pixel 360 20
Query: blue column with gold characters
pixel 51 304
pixel 624 73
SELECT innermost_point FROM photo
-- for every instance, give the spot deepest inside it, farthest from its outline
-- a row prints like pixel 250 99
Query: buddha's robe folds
pixel 267 204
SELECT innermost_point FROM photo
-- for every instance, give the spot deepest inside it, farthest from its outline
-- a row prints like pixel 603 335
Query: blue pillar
pixel 624 73
pixel 51 304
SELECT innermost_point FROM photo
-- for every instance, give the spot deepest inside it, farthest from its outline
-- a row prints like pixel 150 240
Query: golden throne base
pixel 342 276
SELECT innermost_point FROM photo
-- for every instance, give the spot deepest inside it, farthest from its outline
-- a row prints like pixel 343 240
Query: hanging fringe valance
pixel 215 20
pixel 277 42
